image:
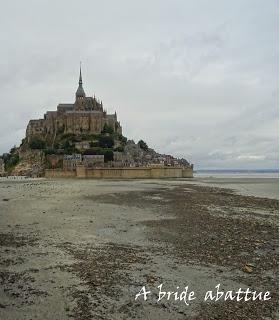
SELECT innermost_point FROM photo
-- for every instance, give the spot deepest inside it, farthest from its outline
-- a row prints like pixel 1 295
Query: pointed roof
pixel 80 76
pixel 80 91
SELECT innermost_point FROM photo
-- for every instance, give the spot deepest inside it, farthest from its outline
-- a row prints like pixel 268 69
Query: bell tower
pixel 80 94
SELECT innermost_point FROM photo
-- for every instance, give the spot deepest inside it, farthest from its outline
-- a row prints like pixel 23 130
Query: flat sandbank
pixel 258 185
pixel 83 249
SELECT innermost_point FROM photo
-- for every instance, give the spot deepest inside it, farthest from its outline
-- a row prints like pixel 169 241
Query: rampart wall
pixel 122 173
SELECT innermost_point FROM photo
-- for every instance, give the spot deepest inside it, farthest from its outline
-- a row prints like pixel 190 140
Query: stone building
pixel 121 159
pixel 70 161
pixel 82 145
pixel 85 116
pixel 96 160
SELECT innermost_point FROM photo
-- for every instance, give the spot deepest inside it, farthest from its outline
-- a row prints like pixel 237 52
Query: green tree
pixel 106 142
pixel 119 149
pixel 108 155
pixel 122 139
pixel 68 147
pixel 37 143
pixel 92 151
pixel 10 161
pixel 94 144
pixel 23 141
pixel 107 129
pixel 143 145
pixel 50 151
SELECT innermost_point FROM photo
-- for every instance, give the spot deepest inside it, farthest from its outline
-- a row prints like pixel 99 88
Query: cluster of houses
pixel 120 160
pixel 132 156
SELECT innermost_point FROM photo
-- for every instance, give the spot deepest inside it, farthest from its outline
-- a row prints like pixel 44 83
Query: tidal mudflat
pixel 83 249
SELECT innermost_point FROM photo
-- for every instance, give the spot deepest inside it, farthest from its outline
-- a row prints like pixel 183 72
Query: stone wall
pixel 123 173
pixel 55 160
pixel 57 173
pixel 70 120
pixel 188 172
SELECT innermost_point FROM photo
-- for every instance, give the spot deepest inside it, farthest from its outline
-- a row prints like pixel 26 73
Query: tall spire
pixel 80 76
pixel 80 92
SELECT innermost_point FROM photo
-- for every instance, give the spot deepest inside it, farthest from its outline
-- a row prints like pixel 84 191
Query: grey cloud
pixel 198 79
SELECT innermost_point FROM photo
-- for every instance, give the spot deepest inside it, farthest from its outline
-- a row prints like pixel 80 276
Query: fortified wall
pixel 122 173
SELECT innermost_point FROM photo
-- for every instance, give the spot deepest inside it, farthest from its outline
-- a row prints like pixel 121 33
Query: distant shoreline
pixel 237 171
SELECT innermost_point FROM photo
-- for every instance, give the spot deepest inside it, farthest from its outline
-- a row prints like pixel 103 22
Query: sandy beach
pixel 83 249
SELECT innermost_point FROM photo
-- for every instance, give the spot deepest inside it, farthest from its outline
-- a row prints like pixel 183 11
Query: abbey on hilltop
pixel 81 140
pixel 85 116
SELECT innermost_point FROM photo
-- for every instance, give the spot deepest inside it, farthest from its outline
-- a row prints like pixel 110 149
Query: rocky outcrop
pixel 31 164
pixel 144 157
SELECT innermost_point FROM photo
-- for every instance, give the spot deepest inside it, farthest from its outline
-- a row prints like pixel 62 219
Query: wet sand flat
pixel 82 249
pixel 257 185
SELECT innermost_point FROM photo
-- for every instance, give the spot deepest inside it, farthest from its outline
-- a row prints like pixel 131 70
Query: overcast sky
pixel 196 79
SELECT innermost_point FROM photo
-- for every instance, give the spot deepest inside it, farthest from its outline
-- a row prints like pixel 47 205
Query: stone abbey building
pixel 85 116
pixel 81 139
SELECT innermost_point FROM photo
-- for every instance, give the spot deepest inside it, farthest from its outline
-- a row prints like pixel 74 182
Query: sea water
pixel 259 183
